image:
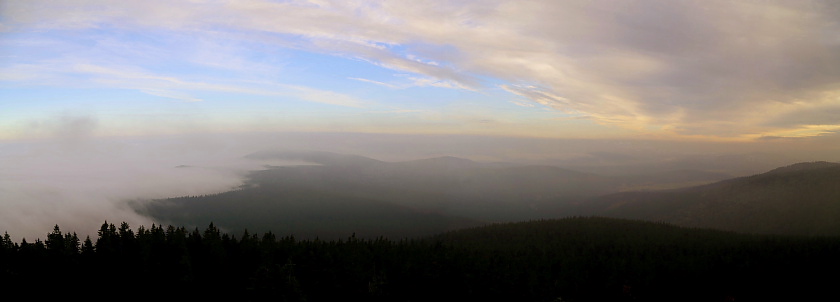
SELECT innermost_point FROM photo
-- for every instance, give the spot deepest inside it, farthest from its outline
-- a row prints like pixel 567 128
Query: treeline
pixel 575 259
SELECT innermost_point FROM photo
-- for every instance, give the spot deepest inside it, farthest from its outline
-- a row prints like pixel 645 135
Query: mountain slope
pixel 301 212
pixel 316 157
pixel 333 195
pixel 336 194
pixel 446 185
pixel 802 198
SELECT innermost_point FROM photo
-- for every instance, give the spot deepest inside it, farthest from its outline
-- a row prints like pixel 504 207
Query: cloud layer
pixel 78 181
pixel 712 68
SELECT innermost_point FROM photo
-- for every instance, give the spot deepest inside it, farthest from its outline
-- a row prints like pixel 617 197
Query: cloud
pixel 77 180
pixel 172 95
pixel 392 86
pixel 169 86
pixel 321 96
pixel 697 67
pixel 827 114
pixel 415 82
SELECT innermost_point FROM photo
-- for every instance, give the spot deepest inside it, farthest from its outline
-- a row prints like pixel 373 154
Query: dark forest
pixel 572 259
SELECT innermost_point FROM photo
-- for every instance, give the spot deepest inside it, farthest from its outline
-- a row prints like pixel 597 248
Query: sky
pixel 100 99
pixel 713 70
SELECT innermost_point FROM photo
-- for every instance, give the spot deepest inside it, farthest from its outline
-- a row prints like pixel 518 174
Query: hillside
pixel 332 195
pixel 302 212
pixel 802 198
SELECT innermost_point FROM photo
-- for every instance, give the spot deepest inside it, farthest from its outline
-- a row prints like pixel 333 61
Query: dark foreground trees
pixel 576 259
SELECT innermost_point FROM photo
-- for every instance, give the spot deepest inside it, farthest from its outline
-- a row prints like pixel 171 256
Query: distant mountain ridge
pixel 446 184
pixel 337 194
pixel 316 157
pixel 805 166
pixel 334 194
pixel 802 198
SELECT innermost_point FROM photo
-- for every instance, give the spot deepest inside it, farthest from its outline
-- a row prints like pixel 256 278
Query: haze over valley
pixel 377 121
pixel 100 101
pixel 80 183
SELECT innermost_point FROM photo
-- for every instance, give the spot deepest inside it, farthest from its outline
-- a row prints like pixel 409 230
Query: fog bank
pixel 78 181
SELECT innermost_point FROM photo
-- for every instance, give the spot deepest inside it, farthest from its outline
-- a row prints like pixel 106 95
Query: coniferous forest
pixel 572 259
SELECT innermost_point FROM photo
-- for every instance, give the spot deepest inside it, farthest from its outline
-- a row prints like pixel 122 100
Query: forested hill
pixel 800 199
pixel 336 194
pixel 573 259
pixel 328 195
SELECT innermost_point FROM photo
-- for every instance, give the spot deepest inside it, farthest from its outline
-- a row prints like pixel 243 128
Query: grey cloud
pixel 821 115
pixel 681 63
pixel 781 138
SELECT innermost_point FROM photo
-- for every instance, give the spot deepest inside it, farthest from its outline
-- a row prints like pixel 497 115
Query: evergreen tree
pixel 578 259
pixel 6 243
pixel 87 247
pixel 55 241
pixel 108 239
pixel 71 243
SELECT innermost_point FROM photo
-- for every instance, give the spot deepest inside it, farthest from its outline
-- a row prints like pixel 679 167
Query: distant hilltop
pixel 429 195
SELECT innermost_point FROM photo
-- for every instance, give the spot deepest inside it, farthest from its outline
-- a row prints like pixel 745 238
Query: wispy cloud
pixel 172 95
pixel 392 86
pixel 715 68
pixel 169 86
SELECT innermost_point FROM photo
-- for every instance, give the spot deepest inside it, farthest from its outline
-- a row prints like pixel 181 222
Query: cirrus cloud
pixel 711 68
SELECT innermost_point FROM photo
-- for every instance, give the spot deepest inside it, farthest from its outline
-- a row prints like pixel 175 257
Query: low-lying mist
pixel 80 185
pixel 80 181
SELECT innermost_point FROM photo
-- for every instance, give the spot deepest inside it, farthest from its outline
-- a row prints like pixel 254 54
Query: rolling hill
pixel 332 195
pixel 802 198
